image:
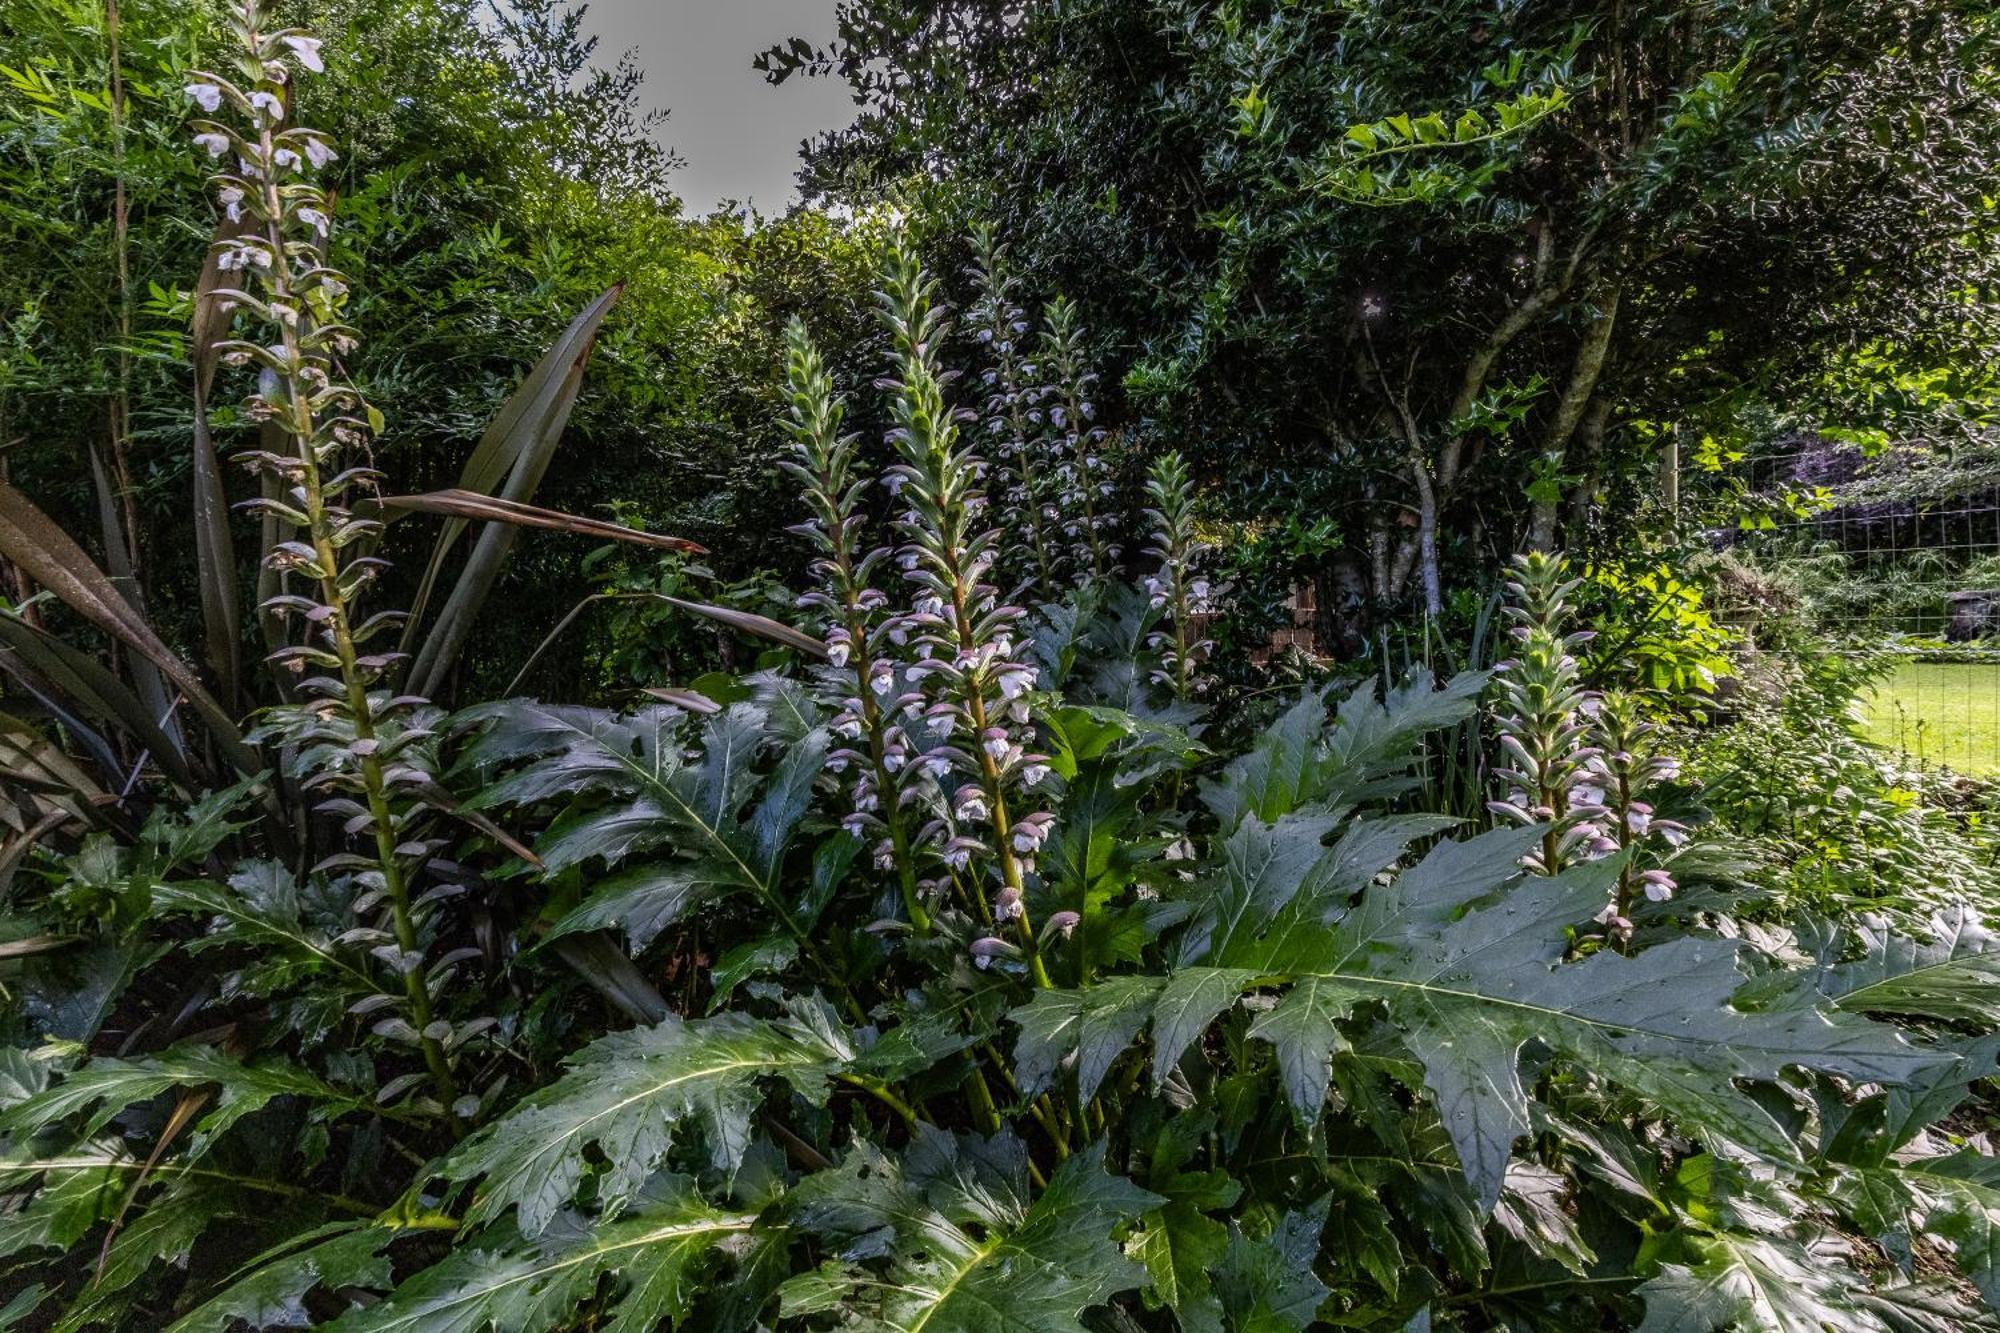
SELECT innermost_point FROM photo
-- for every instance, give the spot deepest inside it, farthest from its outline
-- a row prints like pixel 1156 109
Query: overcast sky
pixel 740 136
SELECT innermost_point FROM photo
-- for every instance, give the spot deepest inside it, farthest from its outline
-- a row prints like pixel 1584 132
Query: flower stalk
pixel 970 688
pixel 356 742
pixel 858 633
pixel 1580 763
pixel 1176 590
pixel 1073 445
pixel 1012 414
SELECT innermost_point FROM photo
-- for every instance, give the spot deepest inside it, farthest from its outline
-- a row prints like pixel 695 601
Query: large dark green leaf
pixel 968 1249
pixel 628 1096
pixel 653 1257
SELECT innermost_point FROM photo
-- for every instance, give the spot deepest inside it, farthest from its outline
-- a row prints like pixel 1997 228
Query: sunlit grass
pixel 1944 713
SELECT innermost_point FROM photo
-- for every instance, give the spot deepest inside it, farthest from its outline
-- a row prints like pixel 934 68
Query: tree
pixel 1450 273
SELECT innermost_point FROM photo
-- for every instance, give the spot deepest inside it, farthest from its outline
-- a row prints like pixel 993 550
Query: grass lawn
pixel 1941 713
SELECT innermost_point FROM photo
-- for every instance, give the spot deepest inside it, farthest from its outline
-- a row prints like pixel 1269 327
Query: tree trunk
pixel 1589 364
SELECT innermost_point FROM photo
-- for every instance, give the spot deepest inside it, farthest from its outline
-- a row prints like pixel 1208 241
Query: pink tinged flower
pixel 216 144
pixel 848 725
pixel 883 680
pixel 1033 773
pixel 958 852
pixel 1659 885
pixel 885 855
pixel 1015 683
pixel 319 152
pixel 207 95
pixel 937 767
pixel 232 203
pixel 1638 819
pixel 1007 904
pixel 855 825
pixel 306 50
pixel 1674 835
pixel 1059 925
pixel 285 157
pixel 985 949
pixel 971 803
pixel 269 104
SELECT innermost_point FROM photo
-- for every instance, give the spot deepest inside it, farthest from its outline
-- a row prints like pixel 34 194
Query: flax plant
pixel 972 688
pixel 858 624
pixel 1013 417
pixel 1073 445
pixel 356 742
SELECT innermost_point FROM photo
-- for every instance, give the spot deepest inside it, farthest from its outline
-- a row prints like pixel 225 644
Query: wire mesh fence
pixel 1896 550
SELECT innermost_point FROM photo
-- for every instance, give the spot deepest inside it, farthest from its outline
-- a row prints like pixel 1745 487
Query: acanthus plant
pixel 971 686
pixel 1177 589
pixel 1580 763
pixel 357 744
pixel 1013 419
pixel 1334 1062
pixel 1074 445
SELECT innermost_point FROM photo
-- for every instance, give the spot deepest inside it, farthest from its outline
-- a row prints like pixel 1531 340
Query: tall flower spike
pixel 1623 768
pixel 857 630
pixel 1013 419
pixel 1075 446
pixel 974 686
pixel 1583 763
pixel 364 748
pixel 1177 591
pixel 1541 719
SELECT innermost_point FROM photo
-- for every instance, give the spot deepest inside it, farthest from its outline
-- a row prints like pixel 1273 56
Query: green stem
pixel 884 1094
pixel 353 680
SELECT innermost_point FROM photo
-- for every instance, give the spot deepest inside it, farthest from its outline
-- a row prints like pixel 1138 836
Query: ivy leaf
pixel 965 1249
pixel 511 1285
pixel 629 1095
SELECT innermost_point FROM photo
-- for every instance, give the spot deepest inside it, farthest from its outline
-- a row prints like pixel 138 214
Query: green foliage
pixel 1383 269
pixel 959 968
